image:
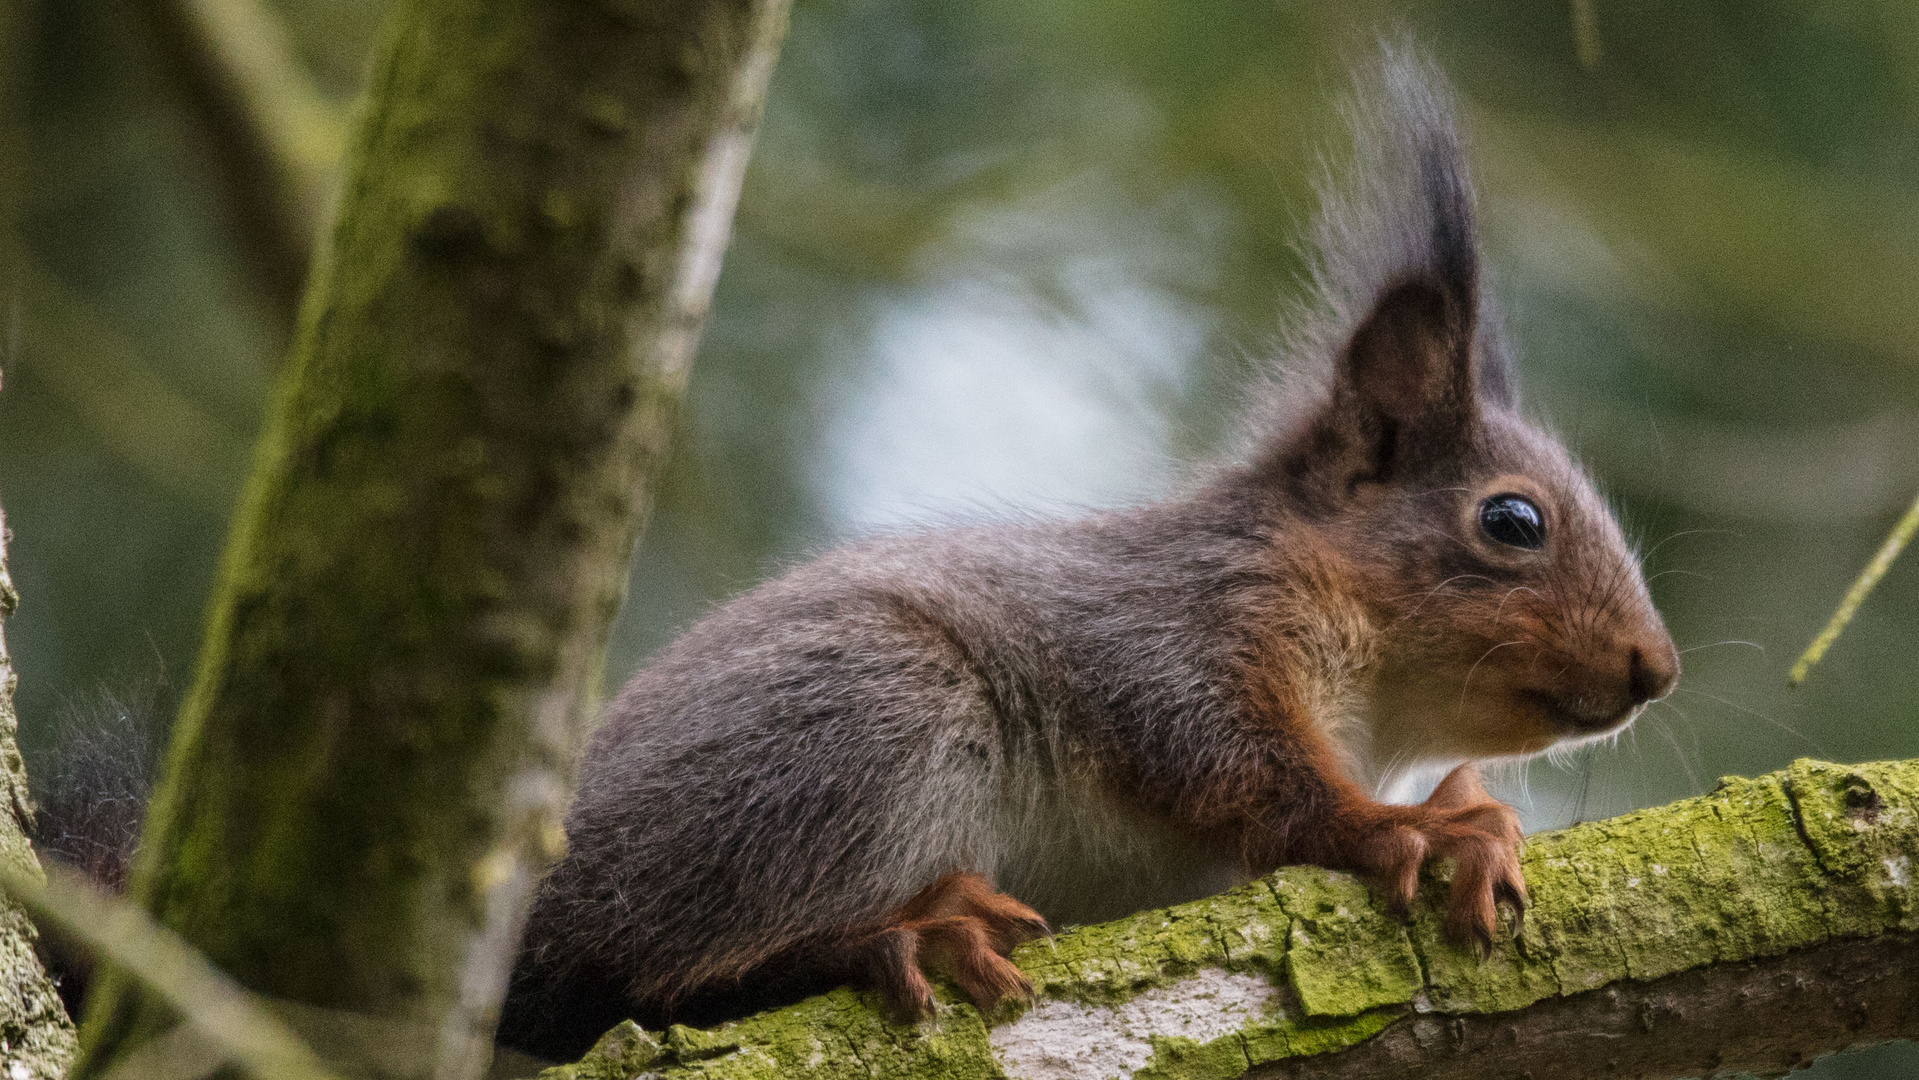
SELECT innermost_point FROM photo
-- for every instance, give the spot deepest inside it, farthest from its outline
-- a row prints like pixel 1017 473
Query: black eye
pixel 1513 520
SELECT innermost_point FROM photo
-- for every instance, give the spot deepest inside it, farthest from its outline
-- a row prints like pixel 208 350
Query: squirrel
pixel 921 749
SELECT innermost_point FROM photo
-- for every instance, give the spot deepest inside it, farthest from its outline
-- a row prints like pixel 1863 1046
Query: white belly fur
pixel 1079 856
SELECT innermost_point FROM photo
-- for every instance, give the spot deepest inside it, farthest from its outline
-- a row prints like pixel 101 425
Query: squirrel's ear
pixel 1408 364
pixel 1399 277
pixel 1404 394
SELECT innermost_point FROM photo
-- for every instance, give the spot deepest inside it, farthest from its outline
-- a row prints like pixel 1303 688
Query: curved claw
pixel 1481 835
pixel 959 926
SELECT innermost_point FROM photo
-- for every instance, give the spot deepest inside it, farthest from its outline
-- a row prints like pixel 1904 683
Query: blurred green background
pixel 1022 252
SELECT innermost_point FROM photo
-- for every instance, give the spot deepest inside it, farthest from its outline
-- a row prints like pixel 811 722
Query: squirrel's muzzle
pixel 1592 698
pixel 1652 673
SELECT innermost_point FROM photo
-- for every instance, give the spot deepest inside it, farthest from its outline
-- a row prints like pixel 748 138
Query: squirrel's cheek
pixel 1505 730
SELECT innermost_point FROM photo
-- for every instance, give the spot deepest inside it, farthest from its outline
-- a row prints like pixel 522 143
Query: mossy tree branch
pixel 1754 928
pixel 408 630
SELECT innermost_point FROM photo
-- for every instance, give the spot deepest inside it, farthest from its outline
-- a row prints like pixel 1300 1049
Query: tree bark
pixel 1762 1016
pixel 36 1037
pixel 408 630
pixel 1752 929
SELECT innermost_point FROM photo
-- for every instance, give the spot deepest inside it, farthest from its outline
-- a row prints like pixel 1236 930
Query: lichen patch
pixel 1068 1040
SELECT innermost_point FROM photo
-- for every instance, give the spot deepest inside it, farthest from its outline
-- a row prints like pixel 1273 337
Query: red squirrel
pixel 923 748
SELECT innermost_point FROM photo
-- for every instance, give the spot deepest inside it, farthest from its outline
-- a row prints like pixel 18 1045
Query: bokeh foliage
pixel 1023 251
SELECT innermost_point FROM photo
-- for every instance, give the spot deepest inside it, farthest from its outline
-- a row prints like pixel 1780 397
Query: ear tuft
pixel 1399 330
pixel 1407 209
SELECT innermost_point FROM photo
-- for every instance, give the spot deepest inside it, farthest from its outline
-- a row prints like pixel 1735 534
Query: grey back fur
pixel 812 754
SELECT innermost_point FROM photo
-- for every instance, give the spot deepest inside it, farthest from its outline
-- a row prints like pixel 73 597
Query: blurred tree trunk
pixel 408 632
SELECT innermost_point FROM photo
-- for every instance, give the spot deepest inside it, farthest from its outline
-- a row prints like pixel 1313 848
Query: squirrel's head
pixel 1507 611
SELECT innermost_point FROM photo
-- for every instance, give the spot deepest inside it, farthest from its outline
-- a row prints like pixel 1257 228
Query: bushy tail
pixel 92 794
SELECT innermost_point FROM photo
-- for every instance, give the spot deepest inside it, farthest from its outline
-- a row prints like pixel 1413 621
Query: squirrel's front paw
pixel 1480 834
pixel 958 926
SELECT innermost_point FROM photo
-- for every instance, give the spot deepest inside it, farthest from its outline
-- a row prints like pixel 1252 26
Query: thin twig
pixel 1869 577
pixel 217 1008
pixel 277 137
pixel 1586 33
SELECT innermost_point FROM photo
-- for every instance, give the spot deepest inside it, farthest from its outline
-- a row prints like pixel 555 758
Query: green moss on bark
pixel 1859 821
pixel 1757 869
pixel 619 1055
pixel 36 1036
pixel 1343 954
pixel 836 1036
pixel 1244 929
pixel 407 635
pixel 1719 877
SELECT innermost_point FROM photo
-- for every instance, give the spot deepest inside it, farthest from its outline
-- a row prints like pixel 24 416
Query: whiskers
pixel 1435 590
pixel 1808 741
pixel 1676 738
pixel 1650 578
pixel 1465 687
pixel 1658 723
pixel 1592 758
pixel 1728 641
pixel 1586 754
pixel 1670 537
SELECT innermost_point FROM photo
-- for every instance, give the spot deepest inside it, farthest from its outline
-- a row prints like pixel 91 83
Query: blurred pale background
pixel 1021 252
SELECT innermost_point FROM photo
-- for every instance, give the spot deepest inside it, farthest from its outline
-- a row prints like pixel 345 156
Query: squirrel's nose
pixel 1652 673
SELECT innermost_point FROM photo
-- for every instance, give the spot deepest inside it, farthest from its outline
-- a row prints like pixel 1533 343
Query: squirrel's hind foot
pixel 957 926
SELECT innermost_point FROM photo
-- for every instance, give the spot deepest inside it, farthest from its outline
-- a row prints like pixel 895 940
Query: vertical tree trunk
pixel 36 1038
pixel 408 631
